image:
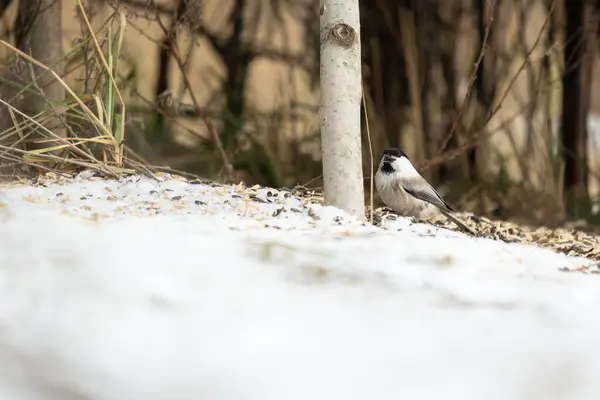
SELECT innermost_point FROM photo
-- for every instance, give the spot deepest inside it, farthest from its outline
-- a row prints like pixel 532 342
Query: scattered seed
pixel 259 200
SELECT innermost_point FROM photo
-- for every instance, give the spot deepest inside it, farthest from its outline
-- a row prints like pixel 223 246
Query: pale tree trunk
pixel 581 26
pixel 340 106
pixel 39 34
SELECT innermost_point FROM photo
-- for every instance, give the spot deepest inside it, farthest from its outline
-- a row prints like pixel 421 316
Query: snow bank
pixel 143 290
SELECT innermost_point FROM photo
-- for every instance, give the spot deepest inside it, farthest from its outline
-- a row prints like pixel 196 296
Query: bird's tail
pixel 459 223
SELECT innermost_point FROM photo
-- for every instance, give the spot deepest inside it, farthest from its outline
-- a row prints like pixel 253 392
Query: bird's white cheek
pixel 405 169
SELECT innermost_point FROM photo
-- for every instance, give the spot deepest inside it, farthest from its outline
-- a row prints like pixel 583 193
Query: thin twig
pixel 473 77
pixel 170 170
pixel 474 138
pixel 211 128
pixel 97 166
pixel 370 154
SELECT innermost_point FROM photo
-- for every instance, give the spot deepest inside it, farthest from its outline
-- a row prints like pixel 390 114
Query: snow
pixel 124 290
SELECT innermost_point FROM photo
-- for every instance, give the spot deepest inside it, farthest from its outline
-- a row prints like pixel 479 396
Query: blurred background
pixel 496 101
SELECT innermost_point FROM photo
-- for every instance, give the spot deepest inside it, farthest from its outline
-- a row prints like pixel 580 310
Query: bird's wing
pixel 425 192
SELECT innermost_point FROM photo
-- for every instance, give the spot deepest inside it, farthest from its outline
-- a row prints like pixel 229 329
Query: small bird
pixel 406 192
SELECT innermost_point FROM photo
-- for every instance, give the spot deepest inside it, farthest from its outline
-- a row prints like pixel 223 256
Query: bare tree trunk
pixel 387 76
pixel 449 107
pixel 409 32
pixel 341 84
pixel 164 65
pixel 39 34
pixel 237 57
pixel 484 83
pixel 3 6
pixel 581 25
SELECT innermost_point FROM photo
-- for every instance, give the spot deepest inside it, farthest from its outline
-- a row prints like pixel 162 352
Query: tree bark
pixel 485 87
pixel 164 67
pixel 341 83
pixel 581 25
pixel 39 34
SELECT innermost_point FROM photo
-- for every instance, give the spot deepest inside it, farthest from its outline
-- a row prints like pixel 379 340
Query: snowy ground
pixel 143 290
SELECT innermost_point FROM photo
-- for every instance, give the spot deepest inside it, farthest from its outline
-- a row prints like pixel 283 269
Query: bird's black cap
pixel 394 152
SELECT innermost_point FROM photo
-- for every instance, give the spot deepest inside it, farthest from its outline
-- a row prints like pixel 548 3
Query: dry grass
pixel 95 120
